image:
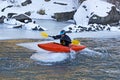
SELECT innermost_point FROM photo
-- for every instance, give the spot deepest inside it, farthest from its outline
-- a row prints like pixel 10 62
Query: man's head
pixel 62 32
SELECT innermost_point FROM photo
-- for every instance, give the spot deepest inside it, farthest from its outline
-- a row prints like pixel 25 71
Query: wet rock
pixel 91 27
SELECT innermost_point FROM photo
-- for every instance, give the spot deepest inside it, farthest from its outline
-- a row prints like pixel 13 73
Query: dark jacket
pixel 64 40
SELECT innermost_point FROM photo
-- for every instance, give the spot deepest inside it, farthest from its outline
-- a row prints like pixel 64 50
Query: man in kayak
pixel 64 39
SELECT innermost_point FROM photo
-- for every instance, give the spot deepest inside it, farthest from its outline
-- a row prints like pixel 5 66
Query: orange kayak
pixel 56 47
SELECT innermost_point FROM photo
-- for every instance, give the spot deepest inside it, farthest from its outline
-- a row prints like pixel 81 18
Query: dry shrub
pixel 41 12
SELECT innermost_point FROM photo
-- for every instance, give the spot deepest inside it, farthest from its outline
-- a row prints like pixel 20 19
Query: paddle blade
pixel 44 34
pixel 75 42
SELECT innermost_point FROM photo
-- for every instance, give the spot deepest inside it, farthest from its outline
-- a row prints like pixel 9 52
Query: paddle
pixel 75 42
pixel 45 35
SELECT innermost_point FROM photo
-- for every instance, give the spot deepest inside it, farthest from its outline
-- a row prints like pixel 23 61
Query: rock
pixel 2 19
pixel 59 3
pixel 17 26
pixel 112 17
pixel 34 26
pixel 63 16
pixel 10 15
pixel 11 21
pixel 6 7
pixel 28 13
pixel 22 18
pixel 26 2
pixel 47 0
pixel 38 28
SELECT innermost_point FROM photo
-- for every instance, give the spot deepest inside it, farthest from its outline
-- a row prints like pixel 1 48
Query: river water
pixel 52 26
pixel 99 61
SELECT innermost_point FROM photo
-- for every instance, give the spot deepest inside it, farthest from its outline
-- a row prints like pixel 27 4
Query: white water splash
pixel 52 57
pixel 89 52
pixel 72 54
pixel 49 57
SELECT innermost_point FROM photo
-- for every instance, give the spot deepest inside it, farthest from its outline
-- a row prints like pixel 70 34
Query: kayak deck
pixel 56 47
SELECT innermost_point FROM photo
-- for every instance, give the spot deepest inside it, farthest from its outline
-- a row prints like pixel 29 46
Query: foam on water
pixel 89 52
pixel 95 54
pixel 49 57
pixel 52 57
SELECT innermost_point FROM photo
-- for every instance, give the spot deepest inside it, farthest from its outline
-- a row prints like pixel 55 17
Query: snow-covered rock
pixel 91 27
pixel 34 26
pixel 85 11
pixel 90 7
pixel 12 22
pixel 50 7
pixel 115 29
pixel 14 26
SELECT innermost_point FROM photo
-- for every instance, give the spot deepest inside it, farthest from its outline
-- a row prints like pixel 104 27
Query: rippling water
pixel 100 61
pixel 87 65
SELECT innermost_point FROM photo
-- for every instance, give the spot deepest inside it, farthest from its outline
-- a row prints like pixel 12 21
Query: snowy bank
pixel 89 8
pixel 50 7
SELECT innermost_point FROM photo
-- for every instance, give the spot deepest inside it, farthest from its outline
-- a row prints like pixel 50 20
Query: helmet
pixel 62 32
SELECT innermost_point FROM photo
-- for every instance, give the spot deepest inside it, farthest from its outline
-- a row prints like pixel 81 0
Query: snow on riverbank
pixel 87 9
pixel 50 7
pixel 90 7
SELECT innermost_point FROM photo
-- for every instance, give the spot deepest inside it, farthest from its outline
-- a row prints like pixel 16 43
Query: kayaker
pixel 64 39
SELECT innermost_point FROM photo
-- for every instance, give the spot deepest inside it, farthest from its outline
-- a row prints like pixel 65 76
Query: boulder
pixel 38 28
pixel 2 19
pixel 63 16
pixel 22 18
pixel 6 7
pixel 26 2
pixel 112 17
pixel 28 13
pixel 10 15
